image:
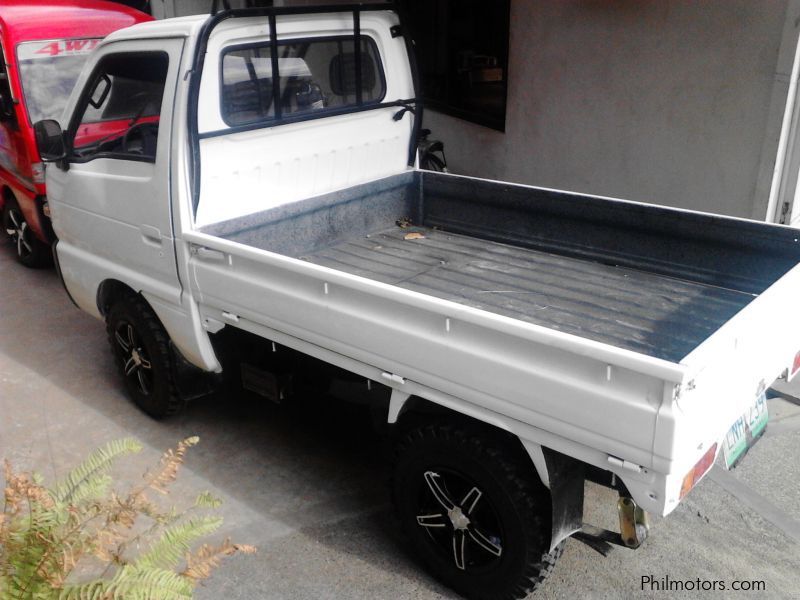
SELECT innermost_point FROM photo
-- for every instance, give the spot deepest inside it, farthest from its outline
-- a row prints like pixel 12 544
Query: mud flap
pixel 567 477
pixel 191 381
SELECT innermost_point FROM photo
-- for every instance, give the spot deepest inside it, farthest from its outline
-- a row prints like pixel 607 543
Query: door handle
pixel 151 234
pixel 210 254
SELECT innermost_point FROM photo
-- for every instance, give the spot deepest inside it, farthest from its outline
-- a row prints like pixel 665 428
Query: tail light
pixel 37 171
pixel 703 465
pixel 795 366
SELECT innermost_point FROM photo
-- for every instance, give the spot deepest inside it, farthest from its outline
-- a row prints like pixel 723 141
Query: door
pixel 114 199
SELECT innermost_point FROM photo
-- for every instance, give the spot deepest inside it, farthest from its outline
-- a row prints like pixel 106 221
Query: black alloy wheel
pixel 30 251
pixel 468 529
pixel 136 363
pixel 141 349
pixel 474 511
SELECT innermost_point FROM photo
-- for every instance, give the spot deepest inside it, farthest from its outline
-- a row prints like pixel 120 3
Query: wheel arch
pixel 111 290
pixel 417 411
pixel 180 323
pixel 38 252
pixel 191 380
pixel 6 194
pixel 519 508
pixel 562 475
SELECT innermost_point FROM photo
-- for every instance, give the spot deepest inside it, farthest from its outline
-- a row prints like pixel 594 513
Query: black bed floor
pixel 651 314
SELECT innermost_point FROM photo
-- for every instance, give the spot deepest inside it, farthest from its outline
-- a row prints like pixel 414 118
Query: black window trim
pixel 477 118
pixel 279 119
pixel 497 123
pixel 83 101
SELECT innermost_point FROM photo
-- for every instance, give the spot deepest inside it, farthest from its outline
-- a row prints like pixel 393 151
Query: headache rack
pixel 412 105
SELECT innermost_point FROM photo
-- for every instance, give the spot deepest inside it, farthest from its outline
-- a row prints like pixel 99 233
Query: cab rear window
pixel 313 76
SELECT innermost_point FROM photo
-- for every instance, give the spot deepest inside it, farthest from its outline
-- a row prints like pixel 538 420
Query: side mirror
pixel 50 140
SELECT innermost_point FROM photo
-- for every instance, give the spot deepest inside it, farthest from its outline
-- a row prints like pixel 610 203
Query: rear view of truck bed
pixel 612 272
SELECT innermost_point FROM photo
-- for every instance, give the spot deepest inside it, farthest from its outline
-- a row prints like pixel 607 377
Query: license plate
pixel 745 432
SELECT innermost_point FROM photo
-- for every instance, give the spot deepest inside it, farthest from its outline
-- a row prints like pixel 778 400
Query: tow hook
pixel 633 522
pixel 633 529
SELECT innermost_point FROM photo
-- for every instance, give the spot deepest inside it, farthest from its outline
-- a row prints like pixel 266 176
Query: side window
pixel 121 108
pixel 314 76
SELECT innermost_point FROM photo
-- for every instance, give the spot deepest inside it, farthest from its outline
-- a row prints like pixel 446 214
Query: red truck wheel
pixel 30 250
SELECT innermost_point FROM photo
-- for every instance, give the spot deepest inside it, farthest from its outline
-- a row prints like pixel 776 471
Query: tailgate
pixel 725 375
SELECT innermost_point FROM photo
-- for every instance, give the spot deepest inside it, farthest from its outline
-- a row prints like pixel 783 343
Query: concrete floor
pixel 308 486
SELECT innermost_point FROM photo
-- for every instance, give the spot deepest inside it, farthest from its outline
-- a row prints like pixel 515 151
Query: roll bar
pixel 413 105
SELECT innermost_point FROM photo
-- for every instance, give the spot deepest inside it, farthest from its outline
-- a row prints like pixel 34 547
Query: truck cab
pixel 43 47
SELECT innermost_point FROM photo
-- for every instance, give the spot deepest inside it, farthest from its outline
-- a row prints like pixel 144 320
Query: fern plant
pixel 81 540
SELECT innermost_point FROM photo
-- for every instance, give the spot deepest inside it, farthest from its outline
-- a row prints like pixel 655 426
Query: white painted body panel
pixel 124 201
pixel 521 377
pixel 115 217
pixel 256 170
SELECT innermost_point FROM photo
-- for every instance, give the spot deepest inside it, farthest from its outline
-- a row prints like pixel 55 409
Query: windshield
pixel 48 71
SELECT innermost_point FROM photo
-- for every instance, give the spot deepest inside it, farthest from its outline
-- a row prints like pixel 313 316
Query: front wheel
pixel 476 517
pixel 30 250
pixel 141 350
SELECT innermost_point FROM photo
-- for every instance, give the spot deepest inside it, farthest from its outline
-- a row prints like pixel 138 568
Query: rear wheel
pixel 141 350
pixel 30 250
pixel 477 518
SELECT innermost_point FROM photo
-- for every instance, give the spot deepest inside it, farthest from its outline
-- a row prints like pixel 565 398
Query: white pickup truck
pixel 252 209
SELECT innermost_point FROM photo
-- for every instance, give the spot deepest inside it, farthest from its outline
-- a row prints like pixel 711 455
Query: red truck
pixel 43 46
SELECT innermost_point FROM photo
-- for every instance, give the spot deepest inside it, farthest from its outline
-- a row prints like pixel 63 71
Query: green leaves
pixel 133 583
pixel 207 500
pixel 80 540
pixel 87 479
pixel 176 541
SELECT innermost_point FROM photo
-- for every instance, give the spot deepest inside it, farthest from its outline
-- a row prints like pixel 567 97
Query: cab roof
pixel 186 26
pixel 23 20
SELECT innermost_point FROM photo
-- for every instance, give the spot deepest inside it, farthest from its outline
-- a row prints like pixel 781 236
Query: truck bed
pixel 653 314
pixel 615 272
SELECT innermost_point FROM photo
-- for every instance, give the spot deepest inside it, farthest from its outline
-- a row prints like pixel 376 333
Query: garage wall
pixel 666 102
pixel 164 9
